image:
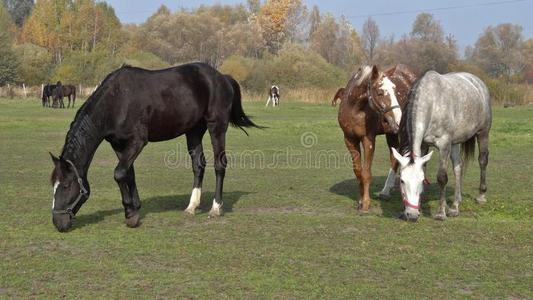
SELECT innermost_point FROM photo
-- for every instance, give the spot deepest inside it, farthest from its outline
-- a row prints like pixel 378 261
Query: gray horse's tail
pixel 468 150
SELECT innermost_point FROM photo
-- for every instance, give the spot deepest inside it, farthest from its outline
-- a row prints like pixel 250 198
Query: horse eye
pixel 402 181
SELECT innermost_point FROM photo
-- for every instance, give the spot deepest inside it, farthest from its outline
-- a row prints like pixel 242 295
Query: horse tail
pixel 468 150
pixel 238 117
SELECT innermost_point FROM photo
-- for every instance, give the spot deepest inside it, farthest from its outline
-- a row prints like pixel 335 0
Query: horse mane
pixel 407 123
pixel 82 123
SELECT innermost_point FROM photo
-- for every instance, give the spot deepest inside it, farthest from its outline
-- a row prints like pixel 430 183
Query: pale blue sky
pixel 465 23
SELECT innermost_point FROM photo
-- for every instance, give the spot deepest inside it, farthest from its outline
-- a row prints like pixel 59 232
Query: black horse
pixel 61 91
pixel 134 106
pixel 48 91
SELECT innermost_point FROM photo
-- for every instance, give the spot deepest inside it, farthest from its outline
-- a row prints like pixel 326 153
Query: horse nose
pixel 411 214
pixel 62 222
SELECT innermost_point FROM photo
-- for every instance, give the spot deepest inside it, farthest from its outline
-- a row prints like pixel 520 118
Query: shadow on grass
pixel 162 204
pixel 392 207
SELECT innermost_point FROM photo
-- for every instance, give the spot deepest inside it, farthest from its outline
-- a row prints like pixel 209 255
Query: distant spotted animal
pixel 273 96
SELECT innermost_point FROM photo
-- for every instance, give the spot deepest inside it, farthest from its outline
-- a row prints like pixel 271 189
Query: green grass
pixel 289 232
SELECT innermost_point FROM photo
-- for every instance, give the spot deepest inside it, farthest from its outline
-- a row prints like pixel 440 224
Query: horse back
pixel 166 103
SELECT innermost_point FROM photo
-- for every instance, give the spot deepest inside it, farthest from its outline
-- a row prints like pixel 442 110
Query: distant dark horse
pixel 48 91
pixel 134 106
pixel 64 91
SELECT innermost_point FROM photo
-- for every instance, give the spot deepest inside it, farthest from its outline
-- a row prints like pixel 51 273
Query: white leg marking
pixel 389 183
pixel 194 201
pixel 268 101
pixel 56 184
pixel 389 88
pixel 215 209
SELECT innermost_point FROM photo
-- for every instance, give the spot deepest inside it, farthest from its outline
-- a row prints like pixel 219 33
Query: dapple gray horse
pixel 449 112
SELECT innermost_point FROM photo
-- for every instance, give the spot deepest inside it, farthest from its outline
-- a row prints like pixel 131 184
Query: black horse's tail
pixel 238 117
pixel 468 149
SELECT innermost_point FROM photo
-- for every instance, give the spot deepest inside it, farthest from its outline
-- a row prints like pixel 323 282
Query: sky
pixel 465 19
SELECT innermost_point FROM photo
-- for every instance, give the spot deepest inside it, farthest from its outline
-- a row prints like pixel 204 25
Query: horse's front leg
pixel 457 165
pixel 218 140
pixel 442 178
pixel 125 178
pixel 392 142
pixel 354 148
pixel 368 145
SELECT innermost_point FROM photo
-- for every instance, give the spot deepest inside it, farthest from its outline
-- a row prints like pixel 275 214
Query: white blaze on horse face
pixel 412 177
pixel 56 184
pixel 389 88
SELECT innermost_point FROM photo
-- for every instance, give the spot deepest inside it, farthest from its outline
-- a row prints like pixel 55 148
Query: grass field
pixel 290 229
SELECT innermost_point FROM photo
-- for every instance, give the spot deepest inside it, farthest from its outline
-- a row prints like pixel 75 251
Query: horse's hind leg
pixel 217 131
pixel 125 178
pixel 483 158
pixel 196 151
pixel 457 166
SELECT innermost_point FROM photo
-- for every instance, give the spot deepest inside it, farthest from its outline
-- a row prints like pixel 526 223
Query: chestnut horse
pixel 371 105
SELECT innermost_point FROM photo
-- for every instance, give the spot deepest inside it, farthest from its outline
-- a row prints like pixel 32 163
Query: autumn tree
pixel 279 20
pixel 499 50
pixel 425 48
pixel 8 59
pixel 370 39
pixel 19 10
pixel 337 42
pixel 35 64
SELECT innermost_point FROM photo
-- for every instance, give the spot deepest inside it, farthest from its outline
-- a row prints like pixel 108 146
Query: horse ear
pixel 55 159
pixel 375 73
pixel 338 95
pixel 424 159
pixel 401 159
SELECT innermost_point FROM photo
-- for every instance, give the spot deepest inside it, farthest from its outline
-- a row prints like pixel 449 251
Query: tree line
pixel 258 42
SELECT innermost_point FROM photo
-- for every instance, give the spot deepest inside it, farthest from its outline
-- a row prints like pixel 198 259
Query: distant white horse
pixel 273 95
pixel 449 112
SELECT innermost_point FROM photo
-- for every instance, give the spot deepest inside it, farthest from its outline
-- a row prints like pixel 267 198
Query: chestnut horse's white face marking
pixel 412 178
pixel 56 184
pixel 389 88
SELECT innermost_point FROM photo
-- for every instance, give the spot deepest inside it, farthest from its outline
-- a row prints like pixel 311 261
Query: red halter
pixel 406 202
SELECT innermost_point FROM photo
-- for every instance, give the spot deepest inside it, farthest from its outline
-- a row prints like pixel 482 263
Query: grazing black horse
pixel 48 91
pixel 134 106
pixel 64 91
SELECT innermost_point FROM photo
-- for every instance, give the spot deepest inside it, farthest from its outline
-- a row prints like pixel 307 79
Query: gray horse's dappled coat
pixel 449 112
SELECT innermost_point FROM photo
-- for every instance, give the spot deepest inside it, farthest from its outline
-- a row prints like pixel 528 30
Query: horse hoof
pixel 384 196
pixel 481 199
pixel 215 213
pixel 133 221
pixel 453 212
pixel 362 211
pixel 440 216
pixel 190 212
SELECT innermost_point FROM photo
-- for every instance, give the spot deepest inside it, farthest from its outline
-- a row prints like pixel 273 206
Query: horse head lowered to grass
pixel 134 106
pixel 450 112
